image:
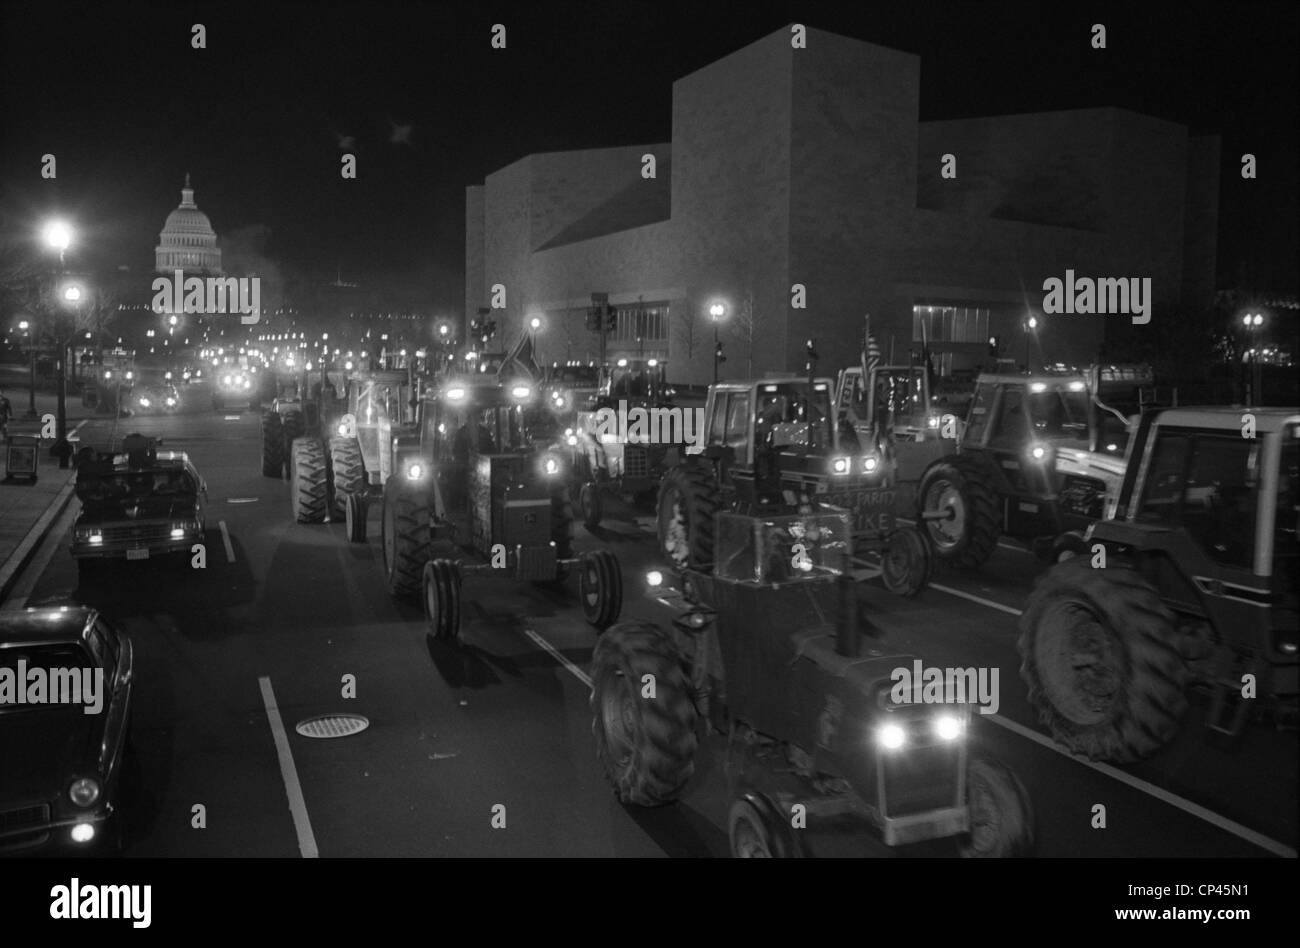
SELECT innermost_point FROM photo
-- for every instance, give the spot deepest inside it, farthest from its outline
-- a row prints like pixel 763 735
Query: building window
pixel 950 323
pixel 646 322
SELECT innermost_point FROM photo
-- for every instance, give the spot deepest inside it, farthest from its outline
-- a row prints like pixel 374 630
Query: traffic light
pixel 593 319
pixel 994 346
pixel 611 317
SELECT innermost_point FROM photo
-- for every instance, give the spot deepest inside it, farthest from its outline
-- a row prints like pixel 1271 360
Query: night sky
pixel 118 95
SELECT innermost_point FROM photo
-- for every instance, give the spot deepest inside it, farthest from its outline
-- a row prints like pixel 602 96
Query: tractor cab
pixel 378 409
pixel 635 380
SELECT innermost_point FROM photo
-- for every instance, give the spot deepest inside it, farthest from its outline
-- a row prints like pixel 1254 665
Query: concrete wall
pixel 852 192
pixel 731 202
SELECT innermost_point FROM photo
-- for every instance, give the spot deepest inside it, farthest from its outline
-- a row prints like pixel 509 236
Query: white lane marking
pixel 225 538
pixel 573 669
pixel 1137 783
pixel 241 500
pixel 974 598
pixel 50 540
pixel 297 805
pixel 232 417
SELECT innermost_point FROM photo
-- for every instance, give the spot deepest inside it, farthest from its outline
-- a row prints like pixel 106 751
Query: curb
pixel 12 568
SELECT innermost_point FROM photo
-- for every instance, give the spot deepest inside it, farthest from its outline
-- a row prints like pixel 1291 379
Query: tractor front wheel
pixel 757 830
pixel 600 587
pixel 354 517
pixel 1099 657
pixel 643 718
pixel 1001 818
pixel 272 445
pixel 905 563
pixel 441 581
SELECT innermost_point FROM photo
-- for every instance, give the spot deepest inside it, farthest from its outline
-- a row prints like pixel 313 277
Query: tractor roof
pixel 1228 417
pixel 746 385
pixel 1052 380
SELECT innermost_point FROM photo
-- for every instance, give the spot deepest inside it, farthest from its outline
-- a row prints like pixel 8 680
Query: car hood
pixel 137 510
pixel 44 748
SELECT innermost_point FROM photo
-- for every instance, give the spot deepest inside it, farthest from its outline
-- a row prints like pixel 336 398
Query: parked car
pixel 63 760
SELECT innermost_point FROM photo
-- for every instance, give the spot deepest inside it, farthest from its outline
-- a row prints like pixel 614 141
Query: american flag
pixel 870 354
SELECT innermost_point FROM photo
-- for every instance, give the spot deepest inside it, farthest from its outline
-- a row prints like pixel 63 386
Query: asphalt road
pixel 503 720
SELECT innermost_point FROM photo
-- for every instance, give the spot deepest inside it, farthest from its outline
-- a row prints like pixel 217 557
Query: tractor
pixel 765 647
pixel 471 474
pixel 777 440
pixel 295 433
pixel 606 458
pixel 1035 460
pixel 1188 582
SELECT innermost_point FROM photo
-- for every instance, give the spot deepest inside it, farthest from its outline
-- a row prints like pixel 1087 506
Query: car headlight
pixel 870 463
pixel 414 472
pixel 840 465
pixel 84 791
pixel 947 727
pixel 891 736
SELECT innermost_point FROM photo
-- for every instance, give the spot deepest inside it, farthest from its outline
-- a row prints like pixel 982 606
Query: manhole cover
pixel 332 725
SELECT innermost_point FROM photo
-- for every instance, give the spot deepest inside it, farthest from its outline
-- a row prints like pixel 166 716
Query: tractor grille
pixel 143 531
pixel 536 562
pixel 636 461
pixel 920 779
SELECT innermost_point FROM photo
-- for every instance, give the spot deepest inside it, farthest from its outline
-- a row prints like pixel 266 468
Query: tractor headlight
pixel 947 727
pixel 1040 452
pixel 83 832
pixel 891 737
pixel 654 578
pixel 870 464
pixel 550 465
pixel 455 394
pixel 933 421
pixel 414 471
pixel 94 537
pixel 248 383
pixel 144 402
pixel 84 792
pixel 343 430
pixel 840 465
pixel 572 441
pixel 171 402
pixel 520 391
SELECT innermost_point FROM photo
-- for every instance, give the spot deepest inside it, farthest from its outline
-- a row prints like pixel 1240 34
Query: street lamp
pixel 1252 322
pixel 717 312
pixel 1030 325
pixel 25 326
pixel 58 236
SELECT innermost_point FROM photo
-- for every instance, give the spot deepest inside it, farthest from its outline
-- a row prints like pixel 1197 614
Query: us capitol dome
pixel 187 241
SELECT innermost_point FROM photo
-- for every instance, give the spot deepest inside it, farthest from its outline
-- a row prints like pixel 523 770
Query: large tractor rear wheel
pixel 600 587
pixel 968 535
pixel 590 502
pixel 272 445
pixel 644 726
pixel 1001 817
pixel 405 539
pixel 292 425
pixel 1099 657
pixel 688 499
pixel 310 483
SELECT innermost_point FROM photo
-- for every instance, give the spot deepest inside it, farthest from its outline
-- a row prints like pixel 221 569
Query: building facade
pixel 801 191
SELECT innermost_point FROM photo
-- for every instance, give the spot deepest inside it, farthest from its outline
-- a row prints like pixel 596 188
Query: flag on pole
pixel 521 359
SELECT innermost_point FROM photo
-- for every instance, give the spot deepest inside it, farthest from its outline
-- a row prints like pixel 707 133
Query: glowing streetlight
pixel 717 312
pixel 58 236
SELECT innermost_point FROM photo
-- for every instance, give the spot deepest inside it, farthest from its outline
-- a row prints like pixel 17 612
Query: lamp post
pixel 1030 325
pixel 717 312
pixel 26 328
pixel 1252 322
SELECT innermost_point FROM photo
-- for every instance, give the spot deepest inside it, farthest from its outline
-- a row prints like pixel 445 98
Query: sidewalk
pixel 28 510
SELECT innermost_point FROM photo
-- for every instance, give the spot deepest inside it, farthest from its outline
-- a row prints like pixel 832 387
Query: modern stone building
pixel 810 166
pixel 187 241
